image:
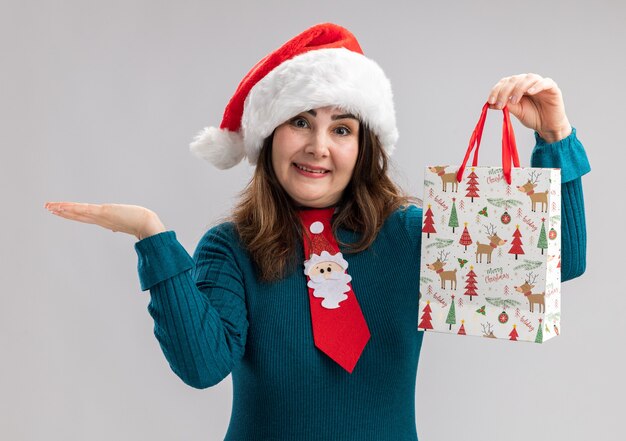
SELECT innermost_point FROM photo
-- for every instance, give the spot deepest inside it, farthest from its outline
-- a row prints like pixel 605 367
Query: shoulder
pixel 408 216
pixel 225 231
pixel 404 226
pixel 222 237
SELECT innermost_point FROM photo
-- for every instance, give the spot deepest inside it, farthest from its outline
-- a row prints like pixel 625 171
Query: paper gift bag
pixel 491 248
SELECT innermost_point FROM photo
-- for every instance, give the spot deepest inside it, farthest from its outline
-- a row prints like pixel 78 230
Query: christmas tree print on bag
pixel 491 249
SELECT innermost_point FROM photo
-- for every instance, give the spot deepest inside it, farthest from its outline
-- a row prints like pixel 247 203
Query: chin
pixel 313 202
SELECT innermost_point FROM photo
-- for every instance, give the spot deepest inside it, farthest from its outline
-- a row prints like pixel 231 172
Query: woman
pixel 317 118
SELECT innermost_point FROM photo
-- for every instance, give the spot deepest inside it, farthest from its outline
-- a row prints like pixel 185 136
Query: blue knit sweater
pixel 212 317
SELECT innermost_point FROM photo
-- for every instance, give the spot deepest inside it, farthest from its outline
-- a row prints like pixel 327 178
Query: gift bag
pixel 491 248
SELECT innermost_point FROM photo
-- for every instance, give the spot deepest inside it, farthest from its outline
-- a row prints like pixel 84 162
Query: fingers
pixel 510 90
pixel 541 85
pixel 130 219
pixel 87 213
pixel 71 207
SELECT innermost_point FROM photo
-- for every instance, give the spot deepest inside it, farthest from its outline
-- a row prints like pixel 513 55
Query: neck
pixel 302 207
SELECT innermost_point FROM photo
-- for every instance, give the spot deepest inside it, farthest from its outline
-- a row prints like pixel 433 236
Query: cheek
pixel 284 147
pixel 347 160
pixel 280 156
pixel 275 161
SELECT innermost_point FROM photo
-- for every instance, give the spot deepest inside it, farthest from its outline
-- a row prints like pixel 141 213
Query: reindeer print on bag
pixel 446 178
pixel 494 242
pixel 535 197
pixel 488 331
pixel 514 268
pixel 438 265
pixel 533 299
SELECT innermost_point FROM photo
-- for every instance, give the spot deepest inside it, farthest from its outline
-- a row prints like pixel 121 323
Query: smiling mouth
pixel 301 167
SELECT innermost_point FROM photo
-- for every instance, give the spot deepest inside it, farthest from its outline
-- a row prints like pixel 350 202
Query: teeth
pixel 311 171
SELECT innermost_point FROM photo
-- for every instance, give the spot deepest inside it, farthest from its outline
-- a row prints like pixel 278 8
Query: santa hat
pixel 322 66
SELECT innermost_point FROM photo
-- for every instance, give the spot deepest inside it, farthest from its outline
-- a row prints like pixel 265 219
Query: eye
pixel 300 122
pixel 322 271
pixel 342 130
pixel 328 269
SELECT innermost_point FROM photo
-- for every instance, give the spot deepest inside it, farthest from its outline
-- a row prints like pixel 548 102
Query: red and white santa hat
pixel 322 66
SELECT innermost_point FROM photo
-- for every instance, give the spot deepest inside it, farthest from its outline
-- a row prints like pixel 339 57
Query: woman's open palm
pixel 131 219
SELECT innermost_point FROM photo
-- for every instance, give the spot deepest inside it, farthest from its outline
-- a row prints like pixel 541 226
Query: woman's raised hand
pixel 131 219
pixel 536 101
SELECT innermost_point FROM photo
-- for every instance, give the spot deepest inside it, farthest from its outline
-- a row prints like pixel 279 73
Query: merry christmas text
pixel 552 290
pixel 494 179
pixel 495 274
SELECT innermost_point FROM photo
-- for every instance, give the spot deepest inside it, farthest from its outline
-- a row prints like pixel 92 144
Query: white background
pixel 98 102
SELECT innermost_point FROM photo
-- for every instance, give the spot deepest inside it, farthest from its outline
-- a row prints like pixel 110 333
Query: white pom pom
pixel 222 148
pixel 316 227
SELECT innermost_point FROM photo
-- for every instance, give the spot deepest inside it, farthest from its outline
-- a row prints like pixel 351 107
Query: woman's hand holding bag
pixel 535 101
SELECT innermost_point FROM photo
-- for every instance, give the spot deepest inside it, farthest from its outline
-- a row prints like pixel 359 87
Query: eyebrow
pixel 335 117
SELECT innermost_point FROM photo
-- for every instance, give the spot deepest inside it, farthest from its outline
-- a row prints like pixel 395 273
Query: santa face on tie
pixel 328 278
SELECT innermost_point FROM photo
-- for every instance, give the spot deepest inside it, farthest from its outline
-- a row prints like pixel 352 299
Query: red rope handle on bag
pixel 509 147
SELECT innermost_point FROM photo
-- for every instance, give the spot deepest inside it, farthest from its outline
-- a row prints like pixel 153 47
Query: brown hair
pixel 266 217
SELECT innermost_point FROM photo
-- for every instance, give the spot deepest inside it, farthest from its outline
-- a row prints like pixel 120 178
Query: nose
pixel 318 145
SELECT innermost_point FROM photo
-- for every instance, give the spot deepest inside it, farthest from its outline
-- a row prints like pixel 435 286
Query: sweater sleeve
pixel 569 155
pixel 198 304
pixel 412 225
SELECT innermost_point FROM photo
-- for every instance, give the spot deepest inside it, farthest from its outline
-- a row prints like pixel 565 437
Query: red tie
pixel 339 328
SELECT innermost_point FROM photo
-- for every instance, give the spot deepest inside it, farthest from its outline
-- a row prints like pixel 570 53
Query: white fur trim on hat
pixel 319 78
pixel 221 147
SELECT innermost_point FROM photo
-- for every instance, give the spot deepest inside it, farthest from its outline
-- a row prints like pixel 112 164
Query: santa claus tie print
pixel 328 278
